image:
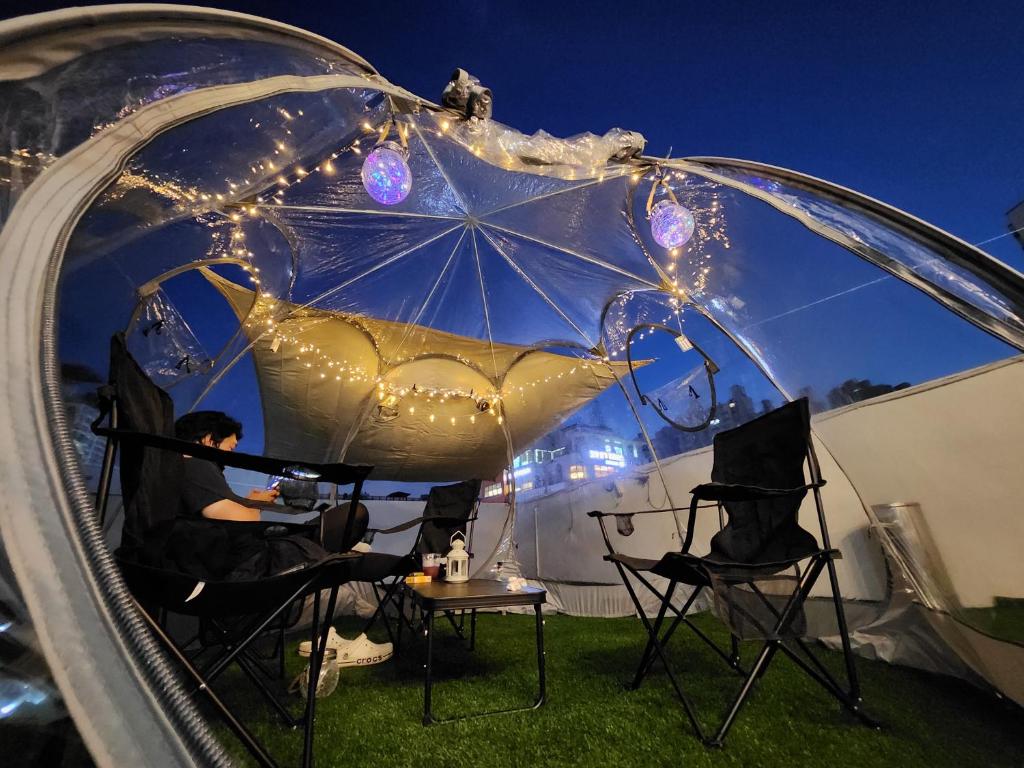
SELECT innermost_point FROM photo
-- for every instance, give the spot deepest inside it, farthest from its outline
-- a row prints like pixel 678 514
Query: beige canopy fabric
pixel 416 403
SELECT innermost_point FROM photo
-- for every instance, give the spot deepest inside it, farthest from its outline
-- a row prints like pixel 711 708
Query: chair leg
pixel 763 658
pixel 314 675
pixel 769 649
pixel 318 646
pixel 382 604
pixel 826 681
pixel 657 647
pixel 844 632
pixel 257 628
pixel 280 652
pixel 244 735
pixel 681 617
pixel 648 657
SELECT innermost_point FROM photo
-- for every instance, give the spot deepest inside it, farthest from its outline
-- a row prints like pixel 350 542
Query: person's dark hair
pixel 198 424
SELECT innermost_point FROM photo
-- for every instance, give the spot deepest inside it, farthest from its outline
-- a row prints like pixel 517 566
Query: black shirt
pixel 204 484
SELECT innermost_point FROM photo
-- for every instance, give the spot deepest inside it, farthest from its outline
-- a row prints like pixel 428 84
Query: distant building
pixel 1015 221
pixel 570 455
pixel 576 453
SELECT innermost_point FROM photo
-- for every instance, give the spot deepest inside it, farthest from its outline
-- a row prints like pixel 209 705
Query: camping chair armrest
pixel 738 492
pixel 339 474
pixel 418 520
pixel 598 513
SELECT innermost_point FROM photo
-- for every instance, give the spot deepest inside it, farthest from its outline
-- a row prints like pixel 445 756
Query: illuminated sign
pixel 614 459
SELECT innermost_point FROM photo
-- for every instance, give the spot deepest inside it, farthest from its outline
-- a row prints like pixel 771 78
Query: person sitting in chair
pixel 240 542
pixel 205 490
pixel 206 493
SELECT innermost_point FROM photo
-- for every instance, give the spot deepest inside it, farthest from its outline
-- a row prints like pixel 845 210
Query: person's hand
pixel 267 496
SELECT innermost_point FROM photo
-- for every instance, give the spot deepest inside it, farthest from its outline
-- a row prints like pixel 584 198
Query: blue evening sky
pixel 920 105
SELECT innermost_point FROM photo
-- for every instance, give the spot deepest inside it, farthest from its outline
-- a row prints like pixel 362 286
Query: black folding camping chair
pixel 141 422
pixel 762 564
pixel 449 509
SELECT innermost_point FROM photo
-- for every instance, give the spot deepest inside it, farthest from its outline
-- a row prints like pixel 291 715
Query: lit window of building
pixel 602 470
pixel 492 489
pixel 608 457
pixel 527 486
pixel 577 472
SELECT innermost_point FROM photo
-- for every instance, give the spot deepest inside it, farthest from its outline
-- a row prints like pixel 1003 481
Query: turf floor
pixel 591 719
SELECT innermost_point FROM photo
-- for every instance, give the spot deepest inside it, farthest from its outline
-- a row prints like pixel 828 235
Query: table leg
pixel 542 697
pixel 314 672
pixel 472 630
pixel 428 716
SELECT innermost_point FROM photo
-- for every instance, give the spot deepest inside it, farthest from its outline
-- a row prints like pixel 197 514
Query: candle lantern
pixel 458 559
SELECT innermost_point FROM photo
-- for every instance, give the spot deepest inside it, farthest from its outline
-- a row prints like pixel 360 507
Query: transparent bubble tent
pixel 474 303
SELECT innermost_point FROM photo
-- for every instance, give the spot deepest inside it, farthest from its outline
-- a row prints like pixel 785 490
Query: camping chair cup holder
pixel 761 567
pixel 233 614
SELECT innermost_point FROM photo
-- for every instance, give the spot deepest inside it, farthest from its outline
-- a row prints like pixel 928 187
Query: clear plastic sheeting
pixel 969 275
pixel 582 156
pixel 33 717
pixel 163 344
pixel 817 320
pixel 49 110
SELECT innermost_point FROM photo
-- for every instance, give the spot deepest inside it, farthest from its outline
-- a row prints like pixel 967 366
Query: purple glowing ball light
pixel 671 224
pixel 386 174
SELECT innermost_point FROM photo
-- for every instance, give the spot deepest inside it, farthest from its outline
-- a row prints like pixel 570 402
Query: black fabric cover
pixel 769 452
pixel 300 494
pixel 150 479
pixel 203 484
pixel 376 566
pixel 456 501
pixel 334 521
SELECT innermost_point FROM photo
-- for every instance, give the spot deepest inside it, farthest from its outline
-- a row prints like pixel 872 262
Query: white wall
pixel 956 447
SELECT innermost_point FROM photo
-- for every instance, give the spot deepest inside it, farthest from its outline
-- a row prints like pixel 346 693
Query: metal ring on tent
pixel 710 369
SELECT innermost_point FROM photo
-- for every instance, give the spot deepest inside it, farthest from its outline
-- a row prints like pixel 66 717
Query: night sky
pixel 919 105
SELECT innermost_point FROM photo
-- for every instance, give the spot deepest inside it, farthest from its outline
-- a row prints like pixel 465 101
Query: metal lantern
pixel 458 559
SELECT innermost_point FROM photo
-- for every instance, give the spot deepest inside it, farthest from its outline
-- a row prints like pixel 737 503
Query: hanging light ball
pixel 386 174
pixel 671 224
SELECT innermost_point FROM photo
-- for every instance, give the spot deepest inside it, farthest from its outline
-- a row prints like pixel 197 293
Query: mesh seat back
pixel 457 501
pixel 768 452
pixel 150 479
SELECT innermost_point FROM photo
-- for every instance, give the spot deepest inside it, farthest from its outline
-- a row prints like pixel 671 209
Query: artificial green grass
pixel 591 719
pixel 1004 620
